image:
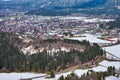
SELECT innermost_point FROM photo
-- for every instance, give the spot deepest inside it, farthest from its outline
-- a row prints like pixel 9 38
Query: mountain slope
pixel 63 7
pixel 51 4
pixel 93 7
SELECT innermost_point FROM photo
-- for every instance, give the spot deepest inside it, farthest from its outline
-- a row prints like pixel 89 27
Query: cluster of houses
pixel 56 27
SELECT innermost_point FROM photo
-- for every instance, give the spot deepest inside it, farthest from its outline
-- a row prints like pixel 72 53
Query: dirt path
pixel 72 69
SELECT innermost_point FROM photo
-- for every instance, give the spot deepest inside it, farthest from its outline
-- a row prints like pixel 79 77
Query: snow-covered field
pixel 106 63
pixel 112 78
pixel 115 50
pixel 91 39
pixel 17 76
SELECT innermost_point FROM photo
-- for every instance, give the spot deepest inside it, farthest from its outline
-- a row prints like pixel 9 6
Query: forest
pixel 12 59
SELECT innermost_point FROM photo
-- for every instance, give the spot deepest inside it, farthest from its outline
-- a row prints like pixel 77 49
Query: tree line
pixel 90 75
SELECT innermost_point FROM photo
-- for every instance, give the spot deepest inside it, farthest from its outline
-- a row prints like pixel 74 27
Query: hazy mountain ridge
pixel 94 7
pixel 63 7
pixel 51 4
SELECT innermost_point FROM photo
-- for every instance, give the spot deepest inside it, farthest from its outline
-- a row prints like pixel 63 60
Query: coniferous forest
pixel 12 59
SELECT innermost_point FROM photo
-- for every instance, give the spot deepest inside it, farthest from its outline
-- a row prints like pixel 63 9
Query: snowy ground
pixel 17 76
pixel 91 39
pixel 112 78
pixel 106 63
pixel 115 50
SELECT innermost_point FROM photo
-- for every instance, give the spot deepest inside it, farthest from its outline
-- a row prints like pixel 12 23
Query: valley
pixel 59 40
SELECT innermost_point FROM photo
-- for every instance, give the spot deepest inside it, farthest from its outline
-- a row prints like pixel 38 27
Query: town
pixel 56 27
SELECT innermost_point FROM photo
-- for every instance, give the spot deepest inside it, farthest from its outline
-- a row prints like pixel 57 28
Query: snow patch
pixel 112 78
pixel 91 38
pixel 110 63
pixel 115 50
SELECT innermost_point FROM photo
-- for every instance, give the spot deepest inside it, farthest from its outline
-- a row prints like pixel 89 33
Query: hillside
pixel 101 7
pixel 63 7
pixel 36 4
pixel 48 54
